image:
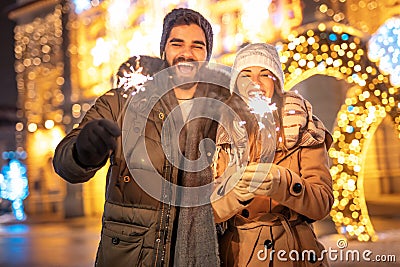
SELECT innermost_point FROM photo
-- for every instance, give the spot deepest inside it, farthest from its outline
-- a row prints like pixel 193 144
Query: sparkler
pixel 131 80
pixel 262 108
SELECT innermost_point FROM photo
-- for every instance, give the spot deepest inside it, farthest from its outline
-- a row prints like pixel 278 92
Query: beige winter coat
pixel 279 225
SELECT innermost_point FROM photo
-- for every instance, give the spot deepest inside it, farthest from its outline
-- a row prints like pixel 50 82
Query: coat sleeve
pixel 310 192
pixel 106 107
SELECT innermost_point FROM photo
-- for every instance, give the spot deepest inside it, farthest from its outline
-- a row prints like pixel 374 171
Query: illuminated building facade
pixel 68 51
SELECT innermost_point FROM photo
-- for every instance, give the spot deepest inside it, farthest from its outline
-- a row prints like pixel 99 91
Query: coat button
pixel 268 244
pixel 115 240
pixel 297 187
pixel 245 213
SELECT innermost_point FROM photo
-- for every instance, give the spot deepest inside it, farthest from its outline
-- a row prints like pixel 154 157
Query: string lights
pixel 384 48
pixel 39 71
pixel 340 51
pixel 39 60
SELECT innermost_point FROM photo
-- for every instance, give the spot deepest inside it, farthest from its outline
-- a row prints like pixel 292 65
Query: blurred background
pixel 57 56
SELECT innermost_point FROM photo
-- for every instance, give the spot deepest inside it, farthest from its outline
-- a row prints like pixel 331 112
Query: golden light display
pixel 39 60
pixel 340 51
pixel 365 15
pixel 39 73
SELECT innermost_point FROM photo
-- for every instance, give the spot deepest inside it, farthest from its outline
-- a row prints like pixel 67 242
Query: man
pixel 138 228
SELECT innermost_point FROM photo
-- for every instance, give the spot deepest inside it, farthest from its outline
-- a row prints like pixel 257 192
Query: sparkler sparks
pixel 262 108
pixel 133 81
pixel 261 105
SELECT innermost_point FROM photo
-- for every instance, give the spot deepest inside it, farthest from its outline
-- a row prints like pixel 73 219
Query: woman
pixel 267 207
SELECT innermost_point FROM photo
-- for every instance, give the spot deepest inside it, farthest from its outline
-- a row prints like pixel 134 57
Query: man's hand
pixel 95 141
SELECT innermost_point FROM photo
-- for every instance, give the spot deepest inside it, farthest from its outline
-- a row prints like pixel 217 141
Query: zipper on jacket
pixel 165 210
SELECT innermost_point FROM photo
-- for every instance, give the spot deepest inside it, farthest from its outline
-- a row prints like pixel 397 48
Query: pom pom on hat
pixel 261 55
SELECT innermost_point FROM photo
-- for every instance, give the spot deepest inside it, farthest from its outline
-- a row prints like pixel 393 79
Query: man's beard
pixel 181 81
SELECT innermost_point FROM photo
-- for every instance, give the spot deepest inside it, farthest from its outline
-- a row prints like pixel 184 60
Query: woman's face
pixel 254 81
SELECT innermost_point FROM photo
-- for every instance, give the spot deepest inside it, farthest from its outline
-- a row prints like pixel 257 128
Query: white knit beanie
pixel 258 54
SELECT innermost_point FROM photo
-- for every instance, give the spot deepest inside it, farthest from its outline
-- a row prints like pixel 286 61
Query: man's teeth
pixel 185 64
pixel 185 67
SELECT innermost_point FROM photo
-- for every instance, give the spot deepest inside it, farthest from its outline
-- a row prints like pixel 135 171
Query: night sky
pixel 8 86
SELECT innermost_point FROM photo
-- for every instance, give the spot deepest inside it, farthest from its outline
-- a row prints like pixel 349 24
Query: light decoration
pixel 106 35
pixel 14 185
pixel 262 21
pixel 365 15
pixel 136 48
pixel 81 5
pixel 101 52
pixel 255 15
pixel 118 13
pixel 384 48
pixel 340 51
pixel 39 70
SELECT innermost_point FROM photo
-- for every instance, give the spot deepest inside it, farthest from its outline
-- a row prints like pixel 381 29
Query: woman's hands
pixel 239 187
pixel 260 179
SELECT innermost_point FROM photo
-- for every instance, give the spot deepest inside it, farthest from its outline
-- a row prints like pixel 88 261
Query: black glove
pixel 95 141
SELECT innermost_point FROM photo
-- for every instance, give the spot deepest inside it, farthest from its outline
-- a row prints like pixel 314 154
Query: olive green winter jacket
pixel 137 229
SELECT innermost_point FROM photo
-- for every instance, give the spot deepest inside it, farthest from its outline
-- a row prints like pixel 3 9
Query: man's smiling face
pixel 186 51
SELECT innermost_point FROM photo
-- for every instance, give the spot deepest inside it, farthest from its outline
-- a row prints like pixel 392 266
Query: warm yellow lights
pixel 32 127
pixel 342 54
pixel 19 126
pixel 118 13
pixel 76 110
pixel 44 141
pixel 39 70
pixel 101 52
pixel 323 8
pixel 48 124
pixel 255 15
